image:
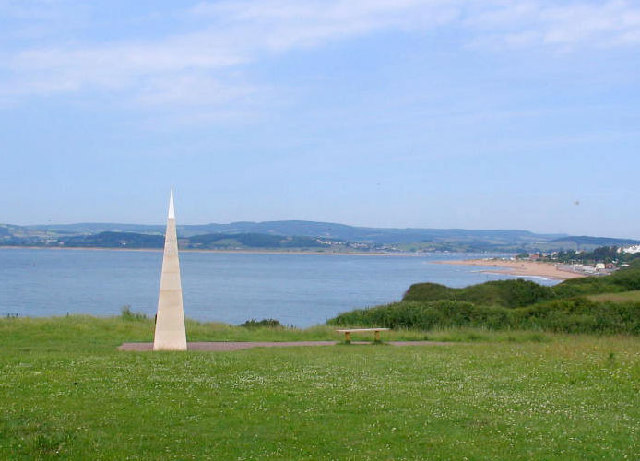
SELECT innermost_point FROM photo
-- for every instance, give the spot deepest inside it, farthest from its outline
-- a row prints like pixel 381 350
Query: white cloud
pixel 189 68
pixel 566 27
pixel 280 25
pixel 605 24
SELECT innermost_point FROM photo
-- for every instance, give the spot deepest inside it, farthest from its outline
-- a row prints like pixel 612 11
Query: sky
pixel 488 114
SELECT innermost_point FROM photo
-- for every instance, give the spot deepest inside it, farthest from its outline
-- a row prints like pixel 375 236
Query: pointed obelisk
pixel 170 334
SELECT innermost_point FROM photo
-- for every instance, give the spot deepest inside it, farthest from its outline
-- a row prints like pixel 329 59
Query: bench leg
pixel 347 337
pixel 376 336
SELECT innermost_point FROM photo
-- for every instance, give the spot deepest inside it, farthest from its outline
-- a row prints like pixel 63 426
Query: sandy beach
pixel 519 268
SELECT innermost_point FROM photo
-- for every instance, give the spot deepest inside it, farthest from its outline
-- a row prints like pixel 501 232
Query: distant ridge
pixel 599 241
pixel 299 234
pixel 309 229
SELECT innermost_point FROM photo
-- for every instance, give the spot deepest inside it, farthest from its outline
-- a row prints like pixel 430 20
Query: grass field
pixel 66 392
pixel 633 295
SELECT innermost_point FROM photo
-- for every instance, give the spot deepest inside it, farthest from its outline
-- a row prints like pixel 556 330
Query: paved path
pixel 236 345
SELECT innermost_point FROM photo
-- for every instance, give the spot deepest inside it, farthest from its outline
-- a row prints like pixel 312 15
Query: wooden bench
pixel 347 333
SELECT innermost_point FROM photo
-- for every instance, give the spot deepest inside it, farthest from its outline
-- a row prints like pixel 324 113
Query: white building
pixel 630 250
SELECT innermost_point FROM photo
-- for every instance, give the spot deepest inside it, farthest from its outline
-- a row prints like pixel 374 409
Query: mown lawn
pixel 66 392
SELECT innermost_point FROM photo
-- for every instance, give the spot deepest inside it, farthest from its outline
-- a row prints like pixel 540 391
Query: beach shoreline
pixel 519 268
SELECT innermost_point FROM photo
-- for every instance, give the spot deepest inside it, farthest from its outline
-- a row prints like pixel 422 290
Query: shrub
pixel 567 316
pixel 622 280
pixel 253 323
pixel 424 315
pixel 581 316
pixel 507 293
pixel 506 304
pixel 127 314
pixel 429 292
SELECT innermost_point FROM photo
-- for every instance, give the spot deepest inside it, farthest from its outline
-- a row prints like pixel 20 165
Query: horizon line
pixel 325 222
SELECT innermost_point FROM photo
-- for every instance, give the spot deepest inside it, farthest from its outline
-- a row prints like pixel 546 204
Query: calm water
pixel 298 290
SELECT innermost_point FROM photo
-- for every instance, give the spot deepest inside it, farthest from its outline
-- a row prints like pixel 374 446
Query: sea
pixel 296 289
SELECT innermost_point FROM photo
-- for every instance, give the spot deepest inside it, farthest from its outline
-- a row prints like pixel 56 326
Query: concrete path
pixel 236 345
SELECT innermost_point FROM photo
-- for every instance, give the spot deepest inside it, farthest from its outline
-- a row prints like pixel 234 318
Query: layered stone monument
pixel 170 333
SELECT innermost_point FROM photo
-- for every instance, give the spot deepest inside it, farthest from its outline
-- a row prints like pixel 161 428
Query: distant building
pixel 630 250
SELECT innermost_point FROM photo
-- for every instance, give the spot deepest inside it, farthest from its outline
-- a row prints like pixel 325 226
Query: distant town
pixel 601 261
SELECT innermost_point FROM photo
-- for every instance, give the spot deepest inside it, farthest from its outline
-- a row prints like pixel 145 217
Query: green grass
pixel 92 333
pixel 67 393
pixel 633 295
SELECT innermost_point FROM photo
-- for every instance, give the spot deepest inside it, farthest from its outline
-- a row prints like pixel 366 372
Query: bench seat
pixel 347 332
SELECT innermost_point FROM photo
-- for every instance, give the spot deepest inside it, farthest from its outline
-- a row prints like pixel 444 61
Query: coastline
pixel 518 268
pixel 191 250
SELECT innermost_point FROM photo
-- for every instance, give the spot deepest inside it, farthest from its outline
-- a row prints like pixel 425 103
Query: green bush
pixel 425 315
pixel 622 280
pixel 521 293
pixel 511 304
pixel 567 316
pixel 127 314
pixel 506 293
pixel 581 316
pixel 253 323
pixel 629 279
pixel 429 292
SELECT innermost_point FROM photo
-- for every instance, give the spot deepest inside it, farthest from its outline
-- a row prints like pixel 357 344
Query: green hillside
pixel 251 240
pixel 115 240
pixel 569 307
pixel 519 292
pixel 623 296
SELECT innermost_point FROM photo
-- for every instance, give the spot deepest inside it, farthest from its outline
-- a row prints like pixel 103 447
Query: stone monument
pixel 170 333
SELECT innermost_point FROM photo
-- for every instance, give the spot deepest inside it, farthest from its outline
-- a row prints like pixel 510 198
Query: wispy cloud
pixel 281 25
pixel 189 68
pixel 566 27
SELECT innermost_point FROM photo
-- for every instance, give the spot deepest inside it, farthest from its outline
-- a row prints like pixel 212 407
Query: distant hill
pixel 298 234
pixel 94 228
pixel 135 240
pixel 293 228
pixel 111 239
pixel 252 240
pixel 582 241
pixel 369 234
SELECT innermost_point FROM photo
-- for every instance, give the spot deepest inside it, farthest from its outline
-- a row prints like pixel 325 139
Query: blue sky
pixel 487 114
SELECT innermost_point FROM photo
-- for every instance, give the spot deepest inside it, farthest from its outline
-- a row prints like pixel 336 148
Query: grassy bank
pixel 598 305
pixel 633 296
pixel 68 393
pixel 520 293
